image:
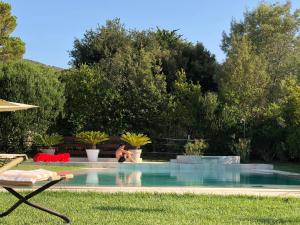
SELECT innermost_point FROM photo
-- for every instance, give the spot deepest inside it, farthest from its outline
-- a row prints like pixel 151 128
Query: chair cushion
pixel 23 177
pixel 44 157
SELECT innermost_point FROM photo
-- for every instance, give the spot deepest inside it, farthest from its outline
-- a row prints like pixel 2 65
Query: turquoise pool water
pixel 188 177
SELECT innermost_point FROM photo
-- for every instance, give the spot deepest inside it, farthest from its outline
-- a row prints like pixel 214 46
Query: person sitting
pixel 122 154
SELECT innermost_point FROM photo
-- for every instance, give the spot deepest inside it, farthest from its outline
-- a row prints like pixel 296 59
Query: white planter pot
pixel 92 154
pixel 50 151
pixel 136 154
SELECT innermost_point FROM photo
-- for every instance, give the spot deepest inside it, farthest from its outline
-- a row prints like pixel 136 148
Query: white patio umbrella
pixel 6 106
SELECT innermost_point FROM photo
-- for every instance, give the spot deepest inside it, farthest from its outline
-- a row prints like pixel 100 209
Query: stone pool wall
pixel 207 159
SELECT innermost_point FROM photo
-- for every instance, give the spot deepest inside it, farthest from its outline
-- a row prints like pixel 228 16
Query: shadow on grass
pixel 269 220
pixel 127 209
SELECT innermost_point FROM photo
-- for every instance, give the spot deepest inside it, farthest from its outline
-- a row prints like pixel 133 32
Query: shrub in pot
pixel 92 138
pixel 195 148
pixel 136 141
pixel 47 141
pixel 193 151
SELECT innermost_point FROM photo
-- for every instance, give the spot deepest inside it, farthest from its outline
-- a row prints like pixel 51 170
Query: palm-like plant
pixel 135 140
pixel 48 140
pixel 92 137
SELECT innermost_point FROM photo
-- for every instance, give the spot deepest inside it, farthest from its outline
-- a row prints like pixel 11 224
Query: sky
pixel 49 27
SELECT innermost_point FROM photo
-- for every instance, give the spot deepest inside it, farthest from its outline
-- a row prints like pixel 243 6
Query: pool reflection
pixel 220 176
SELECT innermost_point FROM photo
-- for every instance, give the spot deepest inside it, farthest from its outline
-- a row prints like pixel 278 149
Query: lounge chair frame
pixel 14 160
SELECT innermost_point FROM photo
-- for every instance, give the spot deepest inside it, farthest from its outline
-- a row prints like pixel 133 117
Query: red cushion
pixel 44 157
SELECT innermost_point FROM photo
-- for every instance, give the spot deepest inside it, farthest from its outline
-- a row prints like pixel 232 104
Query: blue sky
pixel 49 27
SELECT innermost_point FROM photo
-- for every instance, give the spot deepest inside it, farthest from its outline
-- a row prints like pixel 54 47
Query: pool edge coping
pixel 264 192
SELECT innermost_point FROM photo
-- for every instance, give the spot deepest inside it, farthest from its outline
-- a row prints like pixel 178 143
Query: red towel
pixel 44 157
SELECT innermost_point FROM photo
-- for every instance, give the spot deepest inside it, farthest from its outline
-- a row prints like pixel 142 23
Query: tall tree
pixel 99 44
pixel 10 47
pixel 199 64
pixel 273 31
pixel 244 81
pixel 171 52
pixel 30 83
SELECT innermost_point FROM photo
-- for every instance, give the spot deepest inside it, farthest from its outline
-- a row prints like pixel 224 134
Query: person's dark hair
pixel 121 145
pixel 121 159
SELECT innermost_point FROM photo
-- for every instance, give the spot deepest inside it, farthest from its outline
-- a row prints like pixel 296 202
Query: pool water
pixel 169 177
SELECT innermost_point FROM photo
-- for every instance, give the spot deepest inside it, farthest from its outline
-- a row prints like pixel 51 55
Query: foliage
pixel 244 80
pixel 198 63
pixel 47 140
pixel 126 95
pixel 10 47
pixel 242 148
pixel 272 30
pixel 135 140
pixel 290 101
pixel 293 143
pixel 268 141
pixel 184 107
pixel 196 148
pixel 170 52
pixel 32 84
pixel 92 137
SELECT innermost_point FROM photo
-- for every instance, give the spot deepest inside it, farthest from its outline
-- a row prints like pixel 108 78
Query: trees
pixel 126 95
pixel 33 84
pixel 10 47
pixel 244 80
pixel 184 107
pixel 272 31
pixel 199 64
pixel 171 52
pixel 98 45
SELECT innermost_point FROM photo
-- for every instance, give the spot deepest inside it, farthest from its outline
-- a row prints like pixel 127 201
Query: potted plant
pixel 193 152
pixel 47 142
pixel 136 141
pixel 92 138
pixel 196 148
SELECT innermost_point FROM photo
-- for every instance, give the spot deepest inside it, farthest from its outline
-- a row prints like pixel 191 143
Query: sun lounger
pixel 10 179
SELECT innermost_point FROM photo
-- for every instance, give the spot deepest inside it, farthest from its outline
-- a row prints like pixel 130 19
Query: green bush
pixel 98 99
pixel 268 141
pixel 293 143
pixel 196 148
pixel 26 82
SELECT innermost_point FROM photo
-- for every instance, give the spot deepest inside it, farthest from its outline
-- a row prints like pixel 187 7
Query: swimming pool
pixel 166 175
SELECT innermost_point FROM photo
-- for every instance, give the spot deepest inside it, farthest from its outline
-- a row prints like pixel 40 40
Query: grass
pixel 47 167
pixel 289 167
pixel 151 209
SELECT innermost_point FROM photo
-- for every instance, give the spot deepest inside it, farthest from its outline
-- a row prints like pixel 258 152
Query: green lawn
pixel 47 167
pixel 289 167
pixel 156 209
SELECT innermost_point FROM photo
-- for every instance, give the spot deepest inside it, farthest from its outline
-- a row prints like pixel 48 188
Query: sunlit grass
pixel 151 209
pixel 47 167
